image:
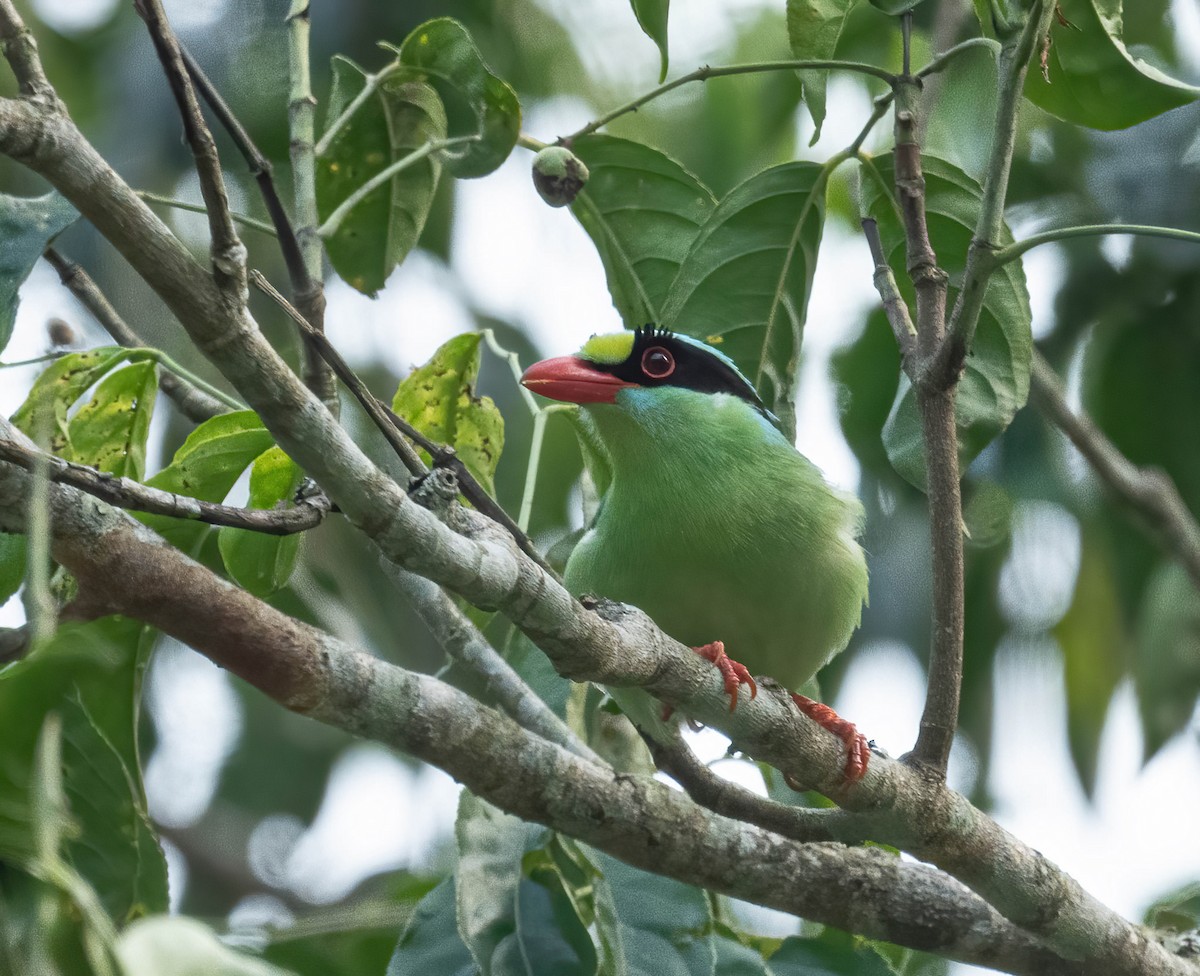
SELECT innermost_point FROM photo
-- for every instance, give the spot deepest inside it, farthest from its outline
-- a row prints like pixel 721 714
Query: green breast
pixel 720 530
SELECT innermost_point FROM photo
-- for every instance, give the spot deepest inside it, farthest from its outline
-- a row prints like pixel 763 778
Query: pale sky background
pixel 516 258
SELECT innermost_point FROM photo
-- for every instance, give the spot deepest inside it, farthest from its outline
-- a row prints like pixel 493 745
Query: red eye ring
pixel 658 363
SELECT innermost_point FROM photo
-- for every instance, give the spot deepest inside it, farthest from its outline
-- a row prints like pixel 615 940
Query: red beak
pixel 574 380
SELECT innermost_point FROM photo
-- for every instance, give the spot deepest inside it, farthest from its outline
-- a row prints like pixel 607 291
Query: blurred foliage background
pixel 1059 577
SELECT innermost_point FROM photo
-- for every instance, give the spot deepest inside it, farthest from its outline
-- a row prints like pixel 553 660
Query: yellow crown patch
pixel 608 349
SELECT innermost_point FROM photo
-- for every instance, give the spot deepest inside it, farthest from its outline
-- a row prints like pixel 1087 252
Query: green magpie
pixel 710 521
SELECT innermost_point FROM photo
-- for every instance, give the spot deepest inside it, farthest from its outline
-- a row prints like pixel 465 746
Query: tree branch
pixel 1149 492
pixel 125 568
pixel 597 641
pixel 228 252
pixel 893 304
pixel 20 50
pixel 260 168
pixel 940 436
pixel 1015 52
pixel 1002 256
pixel 706 72
pixel 302 124
pixel 722 796
pixel 399 431
pixel 192 401
pixel 133 495
pixel 463 642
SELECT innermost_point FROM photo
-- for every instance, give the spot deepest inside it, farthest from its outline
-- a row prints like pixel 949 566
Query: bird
pixel 710 521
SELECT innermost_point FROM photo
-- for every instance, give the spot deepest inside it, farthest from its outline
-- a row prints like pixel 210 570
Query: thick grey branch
pixel 125 568
pixel 603 642
pixel 192 401
pixel 462 641
pixel 1149 492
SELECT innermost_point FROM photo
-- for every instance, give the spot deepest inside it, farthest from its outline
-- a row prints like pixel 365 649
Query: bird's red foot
pixel 858 753
pixel 735 674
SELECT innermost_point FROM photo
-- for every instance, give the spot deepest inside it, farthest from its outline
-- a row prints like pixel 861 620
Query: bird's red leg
pixel 735 674
pixel 858 753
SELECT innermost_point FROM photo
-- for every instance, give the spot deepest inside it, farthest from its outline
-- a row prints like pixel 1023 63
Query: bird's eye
pixel 658 363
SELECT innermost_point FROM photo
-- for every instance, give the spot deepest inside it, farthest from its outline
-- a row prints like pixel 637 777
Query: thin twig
pixel 942 61
pixel 1002 256
pixel 939 434
pixel 343 209
pixel 1015 53
pixel 260 169
pixel 194 403
pixel 722 796
pixel 462 641
pixel 250 222
pixel 1150 492
pixel 373 82
pixel 893 304
pixel 369 402
pixel 20 50
pixel 399 431
pixel 125 493
pixel 228 252
pixel 706 72
pixel 302 127
pixel 308 290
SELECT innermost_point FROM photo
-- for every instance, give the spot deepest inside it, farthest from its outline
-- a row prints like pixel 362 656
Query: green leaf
pixel 735 959
pixel 439 400
pixel 548 938
pixel 443 49
pixel 895 7
pixel 995 383
pixel 27 226
pixel 1179 910
pixel 59 386
pixel 814 27
pixel 867 373
pixel 642 210
pixel 12 564
pixel 257 562
pixel 383 228
pixel 832 953
pixel 349 939
pixel 966 93
pixel 536 671
pixel 173 946
pixel 90 675
pixel 431 944
pixel 649 925
pixel 1095 648
pixel 1167 666
pixel 206 466
pixel 109 432
pixel 746 281
pixel 652 18
pixel 491 844
pixel 1094 79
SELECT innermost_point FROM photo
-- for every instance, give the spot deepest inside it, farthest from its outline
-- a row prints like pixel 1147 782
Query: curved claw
pixel 735 674
pixel 858 753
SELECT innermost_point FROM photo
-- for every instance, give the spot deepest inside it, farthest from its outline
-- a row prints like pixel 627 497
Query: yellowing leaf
pixel 109 432
pixel 439 400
